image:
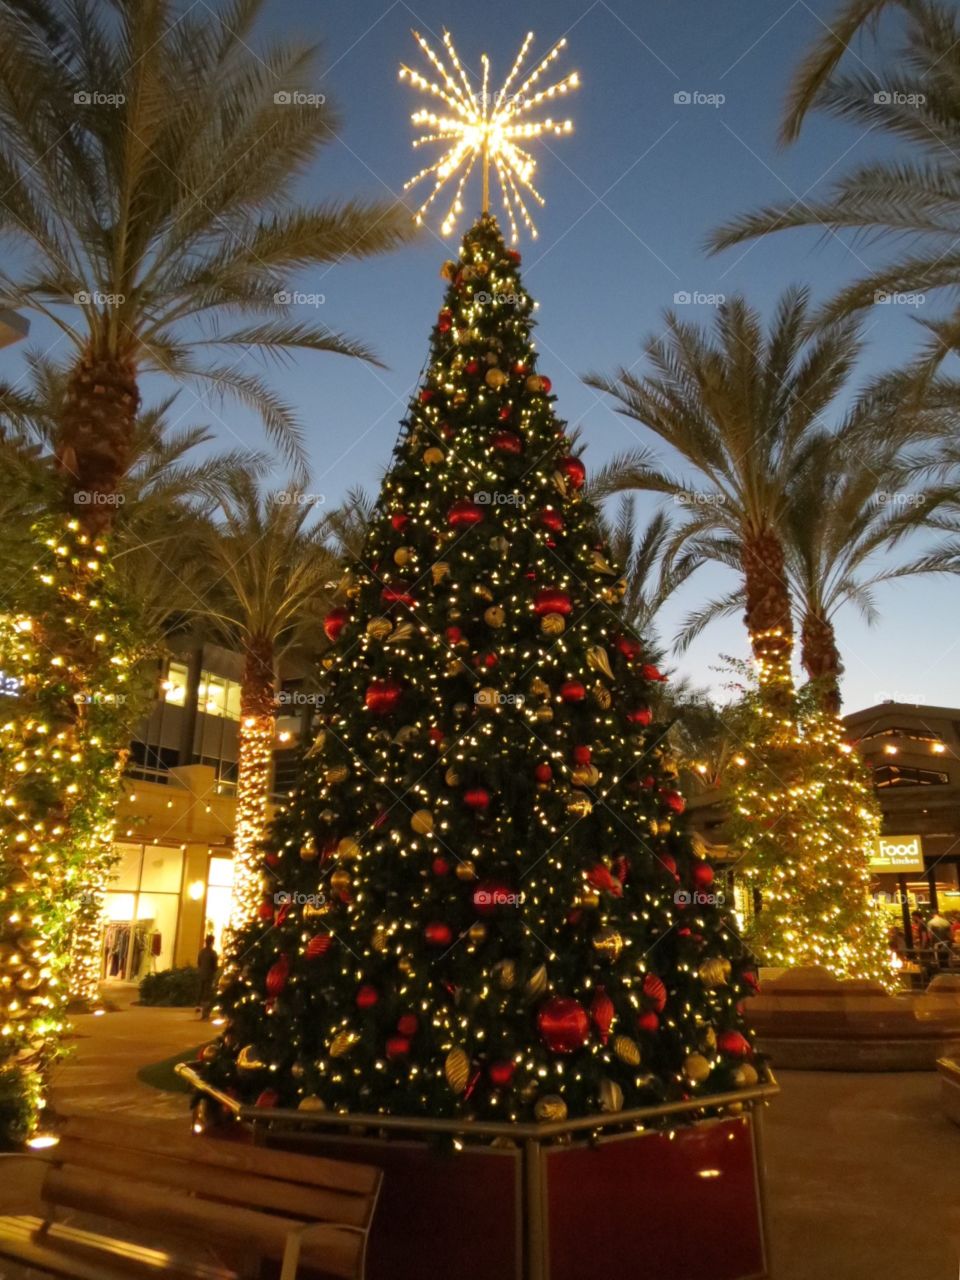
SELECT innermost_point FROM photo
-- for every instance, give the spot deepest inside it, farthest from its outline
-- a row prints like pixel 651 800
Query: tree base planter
pixel 807 1020
pixel 554 1201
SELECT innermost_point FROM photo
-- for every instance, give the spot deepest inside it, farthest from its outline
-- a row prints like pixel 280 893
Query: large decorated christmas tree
pixel 481 901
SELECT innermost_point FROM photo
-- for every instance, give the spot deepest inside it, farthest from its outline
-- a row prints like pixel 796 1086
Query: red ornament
pixel 472 366
pixel 734 1044
pixel 629 647
pixel 397 1047
pixel 440 867
pixel 367 996
pixel 552 600
pixel 282 912
pixel 453 635
pixel 490 895
pixel 546 386
pixel 407 1024
pixel 397 594
pixel 271 859
pixel 426 395
pixel 383 696
pixel 436 734
pixel 573 691
pixel 519 368
pixel 639 715
pixel 648 1021
pixel 464 514
pixel 277 976
pixel 505 413
pixel 655 991
pixel 582 755
pixel 477 798
pixel 551 520
pixel 438 934
pixel 674 801
pixel 334 623
pixel 599 877
pixel 318 946
pixel 501 1073
pixel 563 1024
pixel 399 520
pixel 507 442
pixel 601 1013
pixel 702 875
pixel 669 863
pixel 752 981
pixel 445 320
pixel 265 909
pixel 574 471
pixel 543 773
pixel 652 673
pixel 513 256
pixel 268 1098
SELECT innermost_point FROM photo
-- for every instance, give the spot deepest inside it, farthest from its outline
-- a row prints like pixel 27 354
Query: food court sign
pixel 897 853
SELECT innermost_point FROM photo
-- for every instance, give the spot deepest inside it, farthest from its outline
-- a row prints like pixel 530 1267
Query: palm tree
pixel 651 576
pixel 148 159
pixel 913 202
pixel 742 408
pixel 271 575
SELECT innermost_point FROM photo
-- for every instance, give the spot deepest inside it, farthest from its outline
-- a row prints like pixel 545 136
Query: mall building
pixel 175 821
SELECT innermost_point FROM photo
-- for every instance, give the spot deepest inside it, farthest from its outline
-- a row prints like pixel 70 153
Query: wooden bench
pixel 216 1208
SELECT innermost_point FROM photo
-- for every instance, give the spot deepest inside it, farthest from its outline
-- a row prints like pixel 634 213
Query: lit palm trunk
pixel 255 761
pixel 767 616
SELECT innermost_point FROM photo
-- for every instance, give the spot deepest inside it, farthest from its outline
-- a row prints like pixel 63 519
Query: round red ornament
pixel 702 875
pixel 367 996
pixel 399 520
pixel 733 1044
pixel 464 514
pixel 639 715
pixel 453 635
pixel 573 691
pixel 426 395
pixel 674 801
pixel 582 754
pixel 397 1047
pixel 436 734
pixel 268 1098
pixel 265 909
pixel 505 413
pixel 552 600
pixel 334 623
pixel 477 798
pixel 440 867
pixel 574 471
pixel 648 1021
pixel 399 593
pixel 318 946
pixel 445 320
pixel 551 520
pixel 507 442
pixel 438 934
pixel 563 1024
pixel 383 696
pixel 501 1073
pixel 546 386
pixel 543 773
pixel 629 647
pixel 652 673
pixel 407 1024
pixel 472 366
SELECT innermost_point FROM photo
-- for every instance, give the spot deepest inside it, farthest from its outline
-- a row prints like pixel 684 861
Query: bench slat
pixel 225 1185
pixel 314 1171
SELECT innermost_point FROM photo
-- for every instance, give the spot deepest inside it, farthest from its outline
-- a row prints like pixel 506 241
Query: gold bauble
pixel 505 972
pixel 452 778
pixel 495 616
pixel 550 1107
pixel 477 932
pixel 348 848
pixel 714 972
pixel 745 1076
pixel 439 571
pixel 448 270
pixel 403 555
pixel 496 378
pixel 608 943
pixel 456 1068
pixel 627 1050
pixel 585 775
pixel 611 1096
pixel 552 624
pixel 311 1103
pixel 536 984
pixel 432 456
pixel 481 268
pixel 422 822
pixel 339 773
pixel 708 1038
pixel 482 591
pixel 404 965
pixel 544 714
pixel 247 1059
pixel 406 733
pixel 590 899
pixel 342 1043
pixel 600 564
pixel 696 1068
pixel 380 939
pixel 539 688
pixel 579 803
pixel 308 851
pixel 533 382
pixel 491 357
pixel 500 544
pixel 340 880
pixel 313 911
pixel 487 699
pixel 466 871
pixel 598 660
pixel 379 628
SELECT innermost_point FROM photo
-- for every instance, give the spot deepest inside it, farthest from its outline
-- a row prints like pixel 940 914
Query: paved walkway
pixel 863 1169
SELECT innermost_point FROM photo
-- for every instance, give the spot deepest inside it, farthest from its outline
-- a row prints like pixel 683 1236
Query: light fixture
pixel 195 890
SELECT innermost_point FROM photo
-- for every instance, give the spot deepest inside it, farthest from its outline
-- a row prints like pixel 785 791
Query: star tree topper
pixel 493 127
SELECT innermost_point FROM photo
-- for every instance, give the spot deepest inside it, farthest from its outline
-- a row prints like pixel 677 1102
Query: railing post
pixel 536 1266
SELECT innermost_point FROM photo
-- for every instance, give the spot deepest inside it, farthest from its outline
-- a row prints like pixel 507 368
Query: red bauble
pixel 655 991
pixel 543 773
pixel 669 863
pixel 582 755
pixel 551 520
pixel 600 877
pixel 383 696
pixel 639 715
pixel 407 1024
pixel 601 1013
pixel 334 623
pixel 472 366
pixel 464 514
pixel 513 255
pixel 436 735
pixel 453 635
pixel 438 934
pixel 501 1073
pixel 445 320
pixel 277 976
pixel 398 593
pixel 734 1044
pixel 629 647
pixel 477 798
pixel 546 386
pixel 506 413
pixel 268 1098
pixel 552 600
pixel 563 1024
pixel 282 912
pixel 440 867
pixel 265 909
pixel 426 395
pixel 674 801
pixel 648 1021
pixel 491 895
pixel 574 471
pixel 397 1047
pixel 399 520
pixel 367 996
pixel 702 875
pixel 519 368
pixel 652 673
pixel 318 946
pixel 507 442
pixel 271 859
pixel 573 691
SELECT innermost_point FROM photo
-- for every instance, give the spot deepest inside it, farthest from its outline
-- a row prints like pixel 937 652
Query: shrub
pixel 171 986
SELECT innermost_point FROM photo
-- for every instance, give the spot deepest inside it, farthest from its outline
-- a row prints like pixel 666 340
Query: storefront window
pixel 219 889
pixel 175 685
pixel 142 911
pixel 219 696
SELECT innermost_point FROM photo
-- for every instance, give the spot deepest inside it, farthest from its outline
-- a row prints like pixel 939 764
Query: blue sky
pixel 631 196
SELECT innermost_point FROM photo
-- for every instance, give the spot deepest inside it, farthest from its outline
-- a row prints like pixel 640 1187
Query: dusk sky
pixel 631 196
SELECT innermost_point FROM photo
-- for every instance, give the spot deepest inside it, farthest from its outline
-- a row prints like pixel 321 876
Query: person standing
pixel 207 962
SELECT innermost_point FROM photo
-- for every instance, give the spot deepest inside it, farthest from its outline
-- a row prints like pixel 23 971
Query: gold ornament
pixel 466 871
pixel 745 1076
pixel 495 616
pixel 348 848
pixel 578 803
pixel 308 851
pixel 599 564
pixel 626 1050
pixel 505 972
pixel 342 1043
pixel 696 1068
pixel 380 939
pixel 533 382
pixel 714 972
pixel 403 555
pixel 339 773
pixel 536 984
pixel 311 1103
pixel 448 270
pixel 491 357
pixel 544 714
pixel 340 880
pixel 379 628
pixel 611 1096
pixel 586 775
pixel 402 631
pixel 487 699
pixel 500 544
pixel 452 778
pixel 708 1038
pixel 432 456
pixel 590 899
pixel 496 378
pixel 439 571
pixel 550 1107
pixel 539 688
pixel 422 822
pixel 608 943
pixel 560 483
pixel 477 932
pixel 247 1059
pixel 598 660
pixel 553 624
pixel 456 1068
pixel 405 734
pixel 313 911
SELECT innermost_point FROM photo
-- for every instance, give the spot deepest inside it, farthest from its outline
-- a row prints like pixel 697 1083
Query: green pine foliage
pixel 482 902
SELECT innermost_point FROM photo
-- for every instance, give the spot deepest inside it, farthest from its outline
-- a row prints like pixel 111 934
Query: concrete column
pixel 192 911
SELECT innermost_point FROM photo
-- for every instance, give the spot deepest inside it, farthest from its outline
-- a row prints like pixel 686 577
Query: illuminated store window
pixel 219 696
pixel 175 685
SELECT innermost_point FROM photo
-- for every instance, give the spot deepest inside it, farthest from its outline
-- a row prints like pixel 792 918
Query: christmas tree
pixel 481 901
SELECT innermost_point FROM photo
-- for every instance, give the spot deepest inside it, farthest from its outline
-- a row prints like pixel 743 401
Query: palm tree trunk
pixel 821 659
pixel 96 429
pixel 768 616
pixel 255 759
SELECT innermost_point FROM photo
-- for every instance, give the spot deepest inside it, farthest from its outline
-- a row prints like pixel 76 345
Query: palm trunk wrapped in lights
pixel 255 763
pixel 767 615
